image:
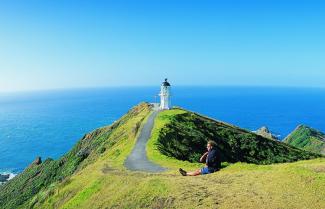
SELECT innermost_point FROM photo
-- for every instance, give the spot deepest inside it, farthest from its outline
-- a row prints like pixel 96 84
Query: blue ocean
pixel 49 123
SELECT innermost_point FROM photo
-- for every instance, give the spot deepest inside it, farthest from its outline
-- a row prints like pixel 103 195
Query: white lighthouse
pixel 165 102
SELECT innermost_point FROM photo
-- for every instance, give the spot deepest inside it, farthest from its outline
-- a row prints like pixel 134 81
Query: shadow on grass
pixel 225 165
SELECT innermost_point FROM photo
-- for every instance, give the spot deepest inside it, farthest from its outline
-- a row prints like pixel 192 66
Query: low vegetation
pixel 307 138
pixel 183 135
pixel 35 178
pixel 93 176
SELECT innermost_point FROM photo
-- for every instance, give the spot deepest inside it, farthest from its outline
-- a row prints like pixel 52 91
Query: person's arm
pixel 203 157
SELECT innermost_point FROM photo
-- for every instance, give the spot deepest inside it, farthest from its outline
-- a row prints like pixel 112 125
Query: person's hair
pixel 212 143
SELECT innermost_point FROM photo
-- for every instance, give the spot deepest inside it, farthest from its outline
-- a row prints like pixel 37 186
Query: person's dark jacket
pixel 213 160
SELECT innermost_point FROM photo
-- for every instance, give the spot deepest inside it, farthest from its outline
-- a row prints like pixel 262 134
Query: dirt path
pixel 137 160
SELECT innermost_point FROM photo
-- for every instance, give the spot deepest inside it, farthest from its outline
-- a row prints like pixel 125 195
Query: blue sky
pixel 68 44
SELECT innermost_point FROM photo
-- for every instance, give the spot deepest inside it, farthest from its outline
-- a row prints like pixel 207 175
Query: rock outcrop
pixel 4 177
pixel 265 132
pixel 37 161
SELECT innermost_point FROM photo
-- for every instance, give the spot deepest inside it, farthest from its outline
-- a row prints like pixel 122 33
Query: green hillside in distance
pixel 307 138
pixel 92 173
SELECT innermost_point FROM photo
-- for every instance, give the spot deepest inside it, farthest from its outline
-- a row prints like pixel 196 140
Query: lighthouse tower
pixel 165 103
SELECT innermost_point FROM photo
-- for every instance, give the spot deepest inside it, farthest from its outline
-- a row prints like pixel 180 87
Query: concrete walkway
pixel 137 160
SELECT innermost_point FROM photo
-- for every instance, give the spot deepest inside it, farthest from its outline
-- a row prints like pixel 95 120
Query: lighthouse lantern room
pixel 165 102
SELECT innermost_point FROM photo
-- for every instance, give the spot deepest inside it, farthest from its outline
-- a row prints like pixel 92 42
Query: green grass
pixel 154 154
pixel 81 197
pixel 103 182
pixel 308 139
pixel 179 134
pixel 240 185
pixel 36 182
pixel 115 181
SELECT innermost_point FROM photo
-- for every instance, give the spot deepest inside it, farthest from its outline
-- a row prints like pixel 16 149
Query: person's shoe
pixel 184 173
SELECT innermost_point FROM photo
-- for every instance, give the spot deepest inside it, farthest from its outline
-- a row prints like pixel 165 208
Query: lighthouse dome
pixel 165 83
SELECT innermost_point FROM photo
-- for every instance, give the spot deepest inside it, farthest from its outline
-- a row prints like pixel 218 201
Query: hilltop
pixel 92 173
pixel 307 138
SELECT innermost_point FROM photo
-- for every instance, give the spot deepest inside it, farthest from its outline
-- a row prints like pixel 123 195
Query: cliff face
pixel 307 138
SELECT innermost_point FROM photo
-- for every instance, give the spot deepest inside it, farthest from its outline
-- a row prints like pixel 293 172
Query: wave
pixel 11 176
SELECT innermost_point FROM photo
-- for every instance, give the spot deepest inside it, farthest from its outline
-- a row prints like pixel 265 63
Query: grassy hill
pixel 183 135
pixel 41 179
pixel 92 174
pixel 307 138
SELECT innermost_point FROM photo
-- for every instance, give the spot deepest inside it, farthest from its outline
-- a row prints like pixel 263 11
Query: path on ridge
pixel 138 160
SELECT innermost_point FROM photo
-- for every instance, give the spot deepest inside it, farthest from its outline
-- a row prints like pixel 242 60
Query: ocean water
pixel 49 123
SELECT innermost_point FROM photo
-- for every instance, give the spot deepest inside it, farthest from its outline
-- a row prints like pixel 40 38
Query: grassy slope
pixel 37 178
pixel 242 185
pixel 307 138
pixel 183 135
pixel 106 184
pixel 295 185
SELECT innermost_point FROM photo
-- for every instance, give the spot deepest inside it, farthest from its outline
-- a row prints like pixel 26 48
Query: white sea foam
pixel 11 175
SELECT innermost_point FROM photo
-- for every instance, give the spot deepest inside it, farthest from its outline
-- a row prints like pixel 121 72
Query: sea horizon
pixel 48 123
pixel 8 92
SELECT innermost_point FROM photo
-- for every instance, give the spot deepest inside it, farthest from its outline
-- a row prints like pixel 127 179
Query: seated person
pixel 211 159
